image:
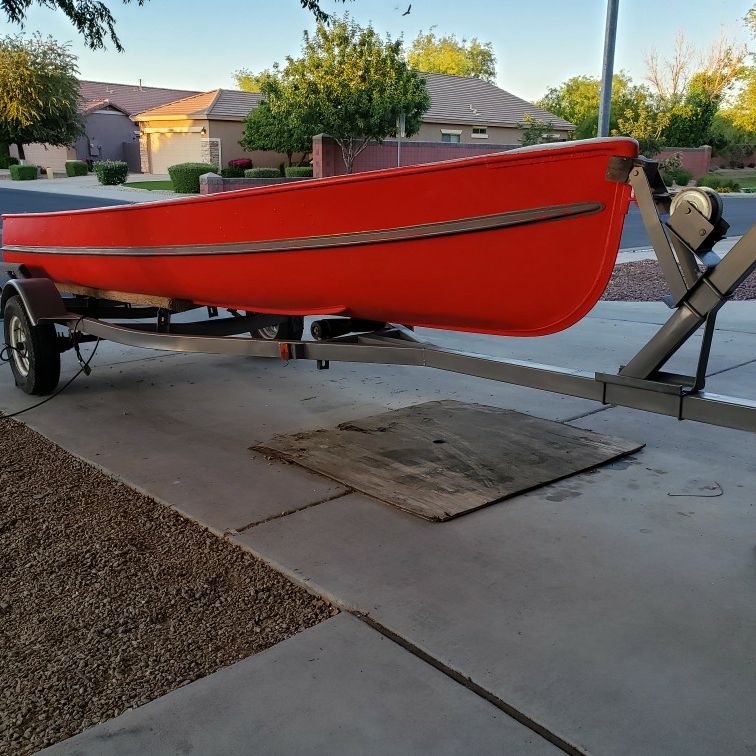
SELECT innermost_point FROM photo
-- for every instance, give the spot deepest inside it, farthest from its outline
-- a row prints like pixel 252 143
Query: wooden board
pixel 146 300
pixel 443 459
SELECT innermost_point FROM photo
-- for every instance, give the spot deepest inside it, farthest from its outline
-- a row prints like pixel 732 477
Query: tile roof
pixel 222 104
pixel 85 108
pixel 454 99
pixel 131 98
pixel 460 99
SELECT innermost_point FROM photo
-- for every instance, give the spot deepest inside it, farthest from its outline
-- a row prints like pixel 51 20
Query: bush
pixel 719 184
pixel 185 176
pixel 242 163
pixel 23 172
pixel 298 171
pixel 76 168
pixel 6 161
pixel 262 173
pixel 682 177
pixel 667 178
pixel 233 171
pixel 110 172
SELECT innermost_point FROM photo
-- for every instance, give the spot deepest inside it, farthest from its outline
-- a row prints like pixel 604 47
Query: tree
pixel 248 81
pixel 535 131
pixel 448 55
pixel 92 18
pixel 644 123
pixel 577 101
pixel 39 93
pixel 277 131
pixel 351 84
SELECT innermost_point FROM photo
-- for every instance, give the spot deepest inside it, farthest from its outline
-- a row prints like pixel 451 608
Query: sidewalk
pixel 589 613
pixel 633 254
pixel 88 186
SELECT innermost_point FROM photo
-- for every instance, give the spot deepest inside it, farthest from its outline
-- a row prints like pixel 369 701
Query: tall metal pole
pixel 605 103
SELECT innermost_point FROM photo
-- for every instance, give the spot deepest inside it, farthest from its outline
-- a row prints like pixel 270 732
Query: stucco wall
pixel 230 132
pixel 327 159
pixel 431 132
pixel 108 130
pixel 46 156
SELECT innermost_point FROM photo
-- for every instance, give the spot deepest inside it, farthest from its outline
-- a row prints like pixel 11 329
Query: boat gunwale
pixel 551 151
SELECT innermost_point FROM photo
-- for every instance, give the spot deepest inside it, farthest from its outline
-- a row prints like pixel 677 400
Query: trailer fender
pixel 41 299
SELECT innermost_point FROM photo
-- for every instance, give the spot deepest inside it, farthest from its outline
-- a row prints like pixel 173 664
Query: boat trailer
pixel 699 283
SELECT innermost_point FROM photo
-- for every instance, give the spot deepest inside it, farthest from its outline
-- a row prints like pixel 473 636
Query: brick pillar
pixel 323 152
pixel 144 153
pixel 707 159
pixel 210 183
pixel 317 156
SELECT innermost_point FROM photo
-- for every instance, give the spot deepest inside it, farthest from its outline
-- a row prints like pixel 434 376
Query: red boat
pixel 520 243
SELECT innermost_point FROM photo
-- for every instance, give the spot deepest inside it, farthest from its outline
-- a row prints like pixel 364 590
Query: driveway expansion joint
pixel 519 716
pixel 288 512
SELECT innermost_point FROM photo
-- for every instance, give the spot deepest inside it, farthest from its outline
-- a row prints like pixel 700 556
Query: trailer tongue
pixel 699 283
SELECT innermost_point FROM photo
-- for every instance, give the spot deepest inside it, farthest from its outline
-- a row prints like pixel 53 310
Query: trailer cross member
pixel 700 284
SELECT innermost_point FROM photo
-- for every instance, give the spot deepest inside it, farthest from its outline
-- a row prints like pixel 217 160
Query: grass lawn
pixel 746 177
pixel 151 185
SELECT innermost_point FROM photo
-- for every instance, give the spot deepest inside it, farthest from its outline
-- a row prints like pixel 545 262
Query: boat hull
pixel 520 243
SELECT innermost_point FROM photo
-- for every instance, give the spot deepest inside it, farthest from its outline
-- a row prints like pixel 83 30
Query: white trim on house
pixel 482 132
pixel 174 130
pixel 458 132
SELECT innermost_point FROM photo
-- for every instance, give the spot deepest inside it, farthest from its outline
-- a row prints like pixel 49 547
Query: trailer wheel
pixel 291 329
pixel 32 350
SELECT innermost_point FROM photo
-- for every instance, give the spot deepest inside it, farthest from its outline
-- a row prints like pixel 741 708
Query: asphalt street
pixel 20 201
pixel 740 212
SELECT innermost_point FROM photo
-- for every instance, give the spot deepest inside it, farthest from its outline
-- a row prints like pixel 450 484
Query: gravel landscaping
pixel 642 281
pixel 109 599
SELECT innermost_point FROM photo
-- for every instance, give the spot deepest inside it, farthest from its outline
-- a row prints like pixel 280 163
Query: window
pixel 480 132
pixel 451 136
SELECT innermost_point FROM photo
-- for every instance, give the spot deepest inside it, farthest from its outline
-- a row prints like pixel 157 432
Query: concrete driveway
pixel 610 613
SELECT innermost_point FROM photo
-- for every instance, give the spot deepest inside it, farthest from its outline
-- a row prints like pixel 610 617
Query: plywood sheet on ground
pixel 442 459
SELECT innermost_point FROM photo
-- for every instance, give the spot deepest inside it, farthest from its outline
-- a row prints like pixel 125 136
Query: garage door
pixel 170 148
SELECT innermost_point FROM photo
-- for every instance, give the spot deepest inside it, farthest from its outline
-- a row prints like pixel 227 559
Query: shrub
pixel 262 173
pixel 23 172
pixel 242 163
pixel 752 165
pixel 110 172
pixel 682 177
pixel 233 171
pixel 185 176
pixel 76 168
pixel 298 171
pixel 6 161
pixel 667 178
pixel 719 184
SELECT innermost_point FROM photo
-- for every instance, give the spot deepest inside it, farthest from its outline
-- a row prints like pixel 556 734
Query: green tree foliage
pixel 577 101
pixel 535 131
pixel 92 18
pixel 644 123
pixel 248 81
pixel 278 131
pixel 349 83
pixel 39 93
pixel 448 55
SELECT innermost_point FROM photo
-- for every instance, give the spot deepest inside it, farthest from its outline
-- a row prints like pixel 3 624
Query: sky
pixel 196 44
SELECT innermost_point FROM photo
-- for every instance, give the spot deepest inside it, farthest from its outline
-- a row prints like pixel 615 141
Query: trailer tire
pixel 290 330
pixel 32 350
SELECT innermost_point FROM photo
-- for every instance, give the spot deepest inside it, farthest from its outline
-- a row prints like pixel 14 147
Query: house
pixel 468 110
pixel 203 128
pixel 207 127
pixel 110 134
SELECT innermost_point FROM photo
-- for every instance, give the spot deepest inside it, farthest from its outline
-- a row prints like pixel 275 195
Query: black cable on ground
pixel 83 369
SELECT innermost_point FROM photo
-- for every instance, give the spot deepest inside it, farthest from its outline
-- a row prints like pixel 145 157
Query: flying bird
pixel 407 12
